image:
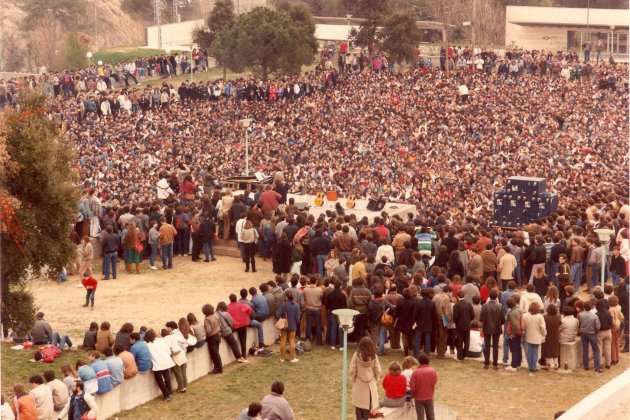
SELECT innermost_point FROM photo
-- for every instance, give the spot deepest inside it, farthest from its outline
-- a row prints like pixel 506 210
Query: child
pixel 395 386
pixel 90 284
pixel 476 341
pixel 409 364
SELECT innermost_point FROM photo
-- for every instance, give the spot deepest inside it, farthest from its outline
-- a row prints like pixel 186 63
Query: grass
pixel 313 387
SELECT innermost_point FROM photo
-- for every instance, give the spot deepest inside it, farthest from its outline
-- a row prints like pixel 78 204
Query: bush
pixel 18 311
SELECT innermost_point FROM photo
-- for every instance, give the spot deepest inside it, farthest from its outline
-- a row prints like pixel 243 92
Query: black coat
pixel 455 268
pixel 403 318
pixel 282 258
pixel 425 315
pixel 463 314
pixel 207 230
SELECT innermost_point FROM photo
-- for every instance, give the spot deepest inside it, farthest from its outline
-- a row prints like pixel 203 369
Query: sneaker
pixel 332 347
pixel 295 360
pixel 340 348
pixel 170 397
pixel 511 369
pixel 282 360
pixel 152 267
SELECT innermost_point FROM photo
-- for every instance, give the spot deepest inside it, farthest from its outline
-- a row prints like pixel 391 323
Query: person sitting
pixel 42 396
pixel 104 379
pixel 129 363
pixel 122 336
pixel 89 338
pixel 395 386
pixel 409 364
pixel 23 403
pixel 476 341
pixel 104 337
pixel 140 352
pixel 81 404
pixel 42 333
pixel 274 405
pixel 252 412
pixel 115 365
pixel 87 376
pixel 59 390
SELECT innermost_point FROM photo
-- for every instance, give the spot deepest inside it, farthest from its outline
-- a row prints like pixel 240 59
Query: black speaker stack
pixel 376 205
pixel 523 201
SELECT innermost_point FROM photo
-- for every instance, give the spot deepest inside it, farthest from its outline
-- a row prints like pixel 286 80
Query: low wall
pixel 599 403
pixel 408 412
pixel 143 388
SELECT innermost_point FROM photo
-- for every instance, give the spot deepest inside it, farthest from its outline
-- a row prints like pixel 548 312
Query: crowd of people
pixel 153 160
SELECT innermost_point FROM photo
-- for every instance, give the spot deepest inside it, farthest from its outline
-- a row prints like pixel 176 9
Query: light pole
pixel 348 17
pixel 89 57
pixel 604 236
pixel 612 39
pixel 95 27
pixel 245 123
pixel 345 318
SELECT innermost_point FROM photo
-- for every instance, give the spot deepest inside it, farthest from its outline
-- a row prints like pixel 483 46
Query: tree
pixel 12 53
pixel 489 22
pixel 75 52
pixel 375 12
pixel 38 205
pixel 267 41
pixel 221 17
pixel 401 36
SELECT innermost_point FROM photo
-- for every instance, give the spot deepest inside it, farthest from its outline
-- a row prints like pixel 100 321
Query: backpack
pixel 306 239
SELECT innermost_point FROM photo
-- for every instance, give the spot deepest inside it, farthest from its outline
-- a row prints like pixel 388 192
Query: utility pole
pixel 473 27
pixel 158 21
pixel 95 28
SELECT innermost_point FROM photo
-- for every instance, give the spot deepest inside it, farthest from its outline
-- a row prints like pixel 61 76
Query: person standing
pixel 444 317
pixel 208 232
pixel 463 315
pixel 240 313
pixel 313 296
pixel 161 363
pixel 604 335
pixel 589 326
pixel 110 252
pixel 492 319
pixel 365 370
pixel 249 237
pixel 422 386
pixel 534 333
pixel 154 243
pixel 426 318
pixel 290 311
pixel 551 346
pixel 224 212
pixel 336 299
pixel 166 236
pixel 90 284
pixel 514 333
pixel 87 256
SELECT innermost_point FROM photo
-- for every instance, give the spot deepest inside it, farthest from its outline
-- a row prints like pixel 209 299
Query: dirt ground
pixel 150 298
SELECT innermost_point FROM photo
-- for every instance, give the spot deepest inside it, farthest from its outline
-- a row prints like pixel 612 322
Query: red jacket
pixel 240 313
pixel 90 283
pixel 423 382
pixel 50 354
pixel 395 386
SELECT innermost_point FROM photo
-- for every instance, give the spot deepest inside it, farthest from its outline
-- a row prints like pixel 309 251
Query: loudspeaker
pixel 376 205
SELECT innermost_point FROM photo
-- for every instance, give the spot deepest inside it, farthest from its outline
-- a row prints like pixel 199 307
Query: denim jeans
pixel 576 275
pixel 596 276
pixel 506 343
pixel 89 296
pixel 183 242
pixel 592 340
pixel 110 259
pixel 208 249
pixel 532 356
pixel 615 278
pixel 154 252
pixel 60 341
pixel 321 259
pixel 515 349
pixel 167 256
pixel 314 316
pixel 334 334
pixel 381 331
pixel 424 338
pixel 258 325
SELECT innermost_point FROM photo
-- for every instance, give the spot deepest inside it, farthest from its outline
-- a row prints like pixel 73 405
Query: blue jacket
pixel 141 353
pixel 292 311
pixel 261 308
pixel 102 375
pixel 116 369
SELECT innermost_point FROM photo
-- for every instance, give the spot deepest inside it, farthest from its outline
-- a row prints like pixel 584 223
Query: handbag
pixel 386 319
pixel 139 248
pixel 283 323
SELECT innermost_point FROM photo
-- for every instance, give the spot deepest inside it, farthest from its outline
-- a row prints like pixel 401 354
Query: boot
pixel 86 303
pixel 137 268
pixel 128 268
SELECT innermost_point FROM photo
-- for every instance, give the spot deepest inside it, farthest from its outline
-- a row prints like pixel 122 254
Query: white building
pixel 565 28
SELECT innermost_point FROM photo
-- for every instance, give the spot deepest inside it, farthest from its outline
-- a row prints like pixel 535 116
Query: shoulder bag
pixel 386 319
pixel 283 323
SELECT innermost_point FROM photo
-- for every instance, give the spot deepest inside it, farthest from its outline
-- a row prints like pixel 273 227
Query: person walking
pixel 492 319
pixel 290 311
pixel 167 235
pixel 422 386
pixel 365 370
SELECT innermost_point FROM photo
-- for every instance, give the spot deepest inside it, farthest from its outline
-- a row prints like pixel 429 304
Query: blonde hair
pixel 394 368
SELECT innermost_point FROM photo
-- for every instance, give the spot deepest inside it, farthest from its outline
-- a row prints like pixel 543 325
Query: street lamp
pixel 604 236
pixel 345 318
pixel 89 57
pixel 245 123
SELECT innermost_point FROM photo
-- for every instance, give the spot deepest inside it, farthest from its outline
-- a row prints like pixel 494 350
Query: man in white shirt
pixel 238 228
pixel 43 398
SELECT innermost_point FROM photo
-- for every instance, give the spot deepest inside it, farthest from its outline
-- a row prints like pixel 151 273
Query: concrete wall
pixel 529 38
pixel 142 388
pixel 598 404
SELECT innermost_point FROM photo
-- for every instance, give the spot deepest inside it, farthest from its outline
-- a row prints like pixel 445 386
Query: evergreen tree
pixel 35 225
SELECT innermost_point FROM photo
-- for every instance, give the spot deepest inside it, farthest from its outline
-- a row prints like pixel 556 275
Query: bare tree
pixel 488 22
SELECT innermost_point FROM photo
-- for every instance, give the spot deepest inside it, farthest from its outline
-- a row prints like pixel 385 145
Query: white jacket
pixel 160 355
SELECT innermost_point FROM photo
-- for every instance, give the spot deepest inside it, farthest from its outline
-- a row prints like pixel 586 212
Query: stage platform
pixel 360 209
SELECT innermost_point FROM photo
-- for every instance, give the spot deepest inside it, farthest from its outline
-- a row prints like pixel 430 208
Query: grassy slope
pixel 313 387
